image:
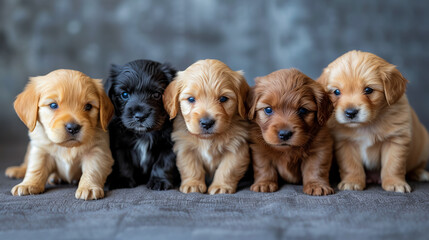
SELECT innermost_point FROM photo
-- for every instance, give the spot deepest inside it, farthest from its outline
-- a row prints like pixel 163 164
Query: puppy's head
pixel 360 85
pixel 209 95
pixel 289 107
pixel 136 91
pixel 68 104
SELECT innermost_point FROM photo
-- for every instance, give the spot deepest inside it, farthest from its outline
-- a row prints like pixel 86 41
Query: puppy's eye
pixel 302 111
pixel 368 90
pixel 337 92
pixel 268 111
pixel 156 95
pixel 125 95
pixel 53 105
pixel 223 99
pixel 191 99
pixel 88 107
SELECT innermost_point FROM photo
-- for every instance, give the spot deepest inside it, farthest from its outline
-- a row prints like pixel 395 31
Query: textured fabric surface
pixel 140 213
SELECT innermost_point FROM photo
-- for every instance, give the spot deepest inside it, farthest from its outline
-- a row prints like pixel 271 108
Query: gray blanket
pixel 140 213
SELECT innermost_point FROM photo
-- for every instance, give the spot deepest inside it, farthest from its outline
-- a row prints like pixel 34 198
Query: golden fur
pixel 386 134
pixel 52 150
pixel 224 152
pixel 307 155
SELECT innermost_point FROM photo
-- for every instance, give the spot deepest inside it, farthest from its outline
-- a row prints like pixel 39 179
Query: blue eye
pixel 302 111
pixel 53 106
pixel 223 99
pixel 125 95
pixel 191 99
pixel 268 110
pixel 368 90
pixel 337 92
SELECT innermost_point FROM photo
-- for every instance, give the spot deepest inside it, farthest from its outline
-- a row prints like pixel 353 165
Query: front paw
pixel 89 193
pixel 54 179
pixel 159 184
pixel 193 186
pixel 317 189
pixel 15 172
pixel 264 187
pixel 396 186
pixel 349 185
pixel 220 189
pixel 24 189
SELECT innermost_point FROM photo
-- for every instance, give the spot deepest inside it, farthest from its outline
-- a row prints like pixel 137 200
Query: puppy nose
pixel 73 128
pixel 351 112
pixel 207 123
pixel 139 116
pixel 285 134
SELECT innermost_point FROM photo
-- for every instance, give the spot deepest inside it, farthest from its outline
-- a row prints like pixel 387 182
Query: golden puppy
pixel 289 135
pixel 67 114
pixel 210 129
pixel 374 126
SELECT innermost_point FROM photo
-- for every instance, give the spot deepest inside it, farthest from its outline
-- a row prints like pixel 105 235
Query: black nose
pixel 207 123
pixel 73 128
pixel 285 134
pixel 140 116
pixel 351 112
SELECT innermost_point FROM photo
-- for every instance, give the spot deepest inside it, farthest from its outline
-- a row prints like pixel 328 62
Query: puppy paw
pixel 346 185
pixel 193 186
pixel 159 184
pixel 396 186
pixel 54 179
pixel 15 172
pixel 317 189
pixel 89 193
pixel 220 189
pixel 264 187
pixel 24 189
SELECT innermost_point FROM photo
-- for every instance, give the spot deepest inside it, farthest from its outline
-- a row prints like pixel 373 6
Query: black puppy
pixel 140 130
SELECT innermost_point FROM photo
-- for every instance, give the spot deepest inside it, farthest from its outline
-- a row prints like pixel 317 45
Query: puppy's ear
pixel 106 106
pixel 170 97
pixel 393 82
pixel 114 71
pixel 324 104
pixel 252 99
pixel 323 79
pixel 243 91
pixel 27 104
pixel 169 72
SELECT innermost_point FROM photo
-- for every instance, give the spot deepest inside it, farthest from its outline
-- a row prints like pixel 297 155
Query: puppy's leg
pixel 164 172
pixel 40 165
pixel 231 169
pixel 264 172
pixel 19 171
pixel 315 172
pixel 351 167
pixel 191 172
pixel 96 166
pixel 393 166
pixel 122 175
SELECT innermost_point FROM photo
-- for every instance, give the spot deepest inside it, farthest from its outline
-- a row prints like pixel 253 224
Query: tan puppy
pixel 67 114
pixel 374 126
pixel 210 130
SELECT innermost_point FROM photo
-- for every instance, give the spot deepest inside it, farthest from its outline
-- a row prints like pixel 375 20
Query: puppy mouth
pixel 72 142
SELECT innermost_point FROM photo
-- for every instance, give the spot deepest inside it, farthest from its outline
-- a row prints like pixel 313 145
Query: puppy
pixel 67 114
pixel 140 132
pixel 207 101
pixel 289 136
pixel 373 125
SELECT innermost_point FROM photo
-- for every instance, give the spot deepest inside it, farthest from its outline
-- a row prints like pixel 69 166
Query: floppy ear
pixel 170 97
pixel 108 85
pixel 242 92
pixel 324 104
pixel 393 82
pixel 106 106
pixel 169 72
pixel 27 105
pixel 252 99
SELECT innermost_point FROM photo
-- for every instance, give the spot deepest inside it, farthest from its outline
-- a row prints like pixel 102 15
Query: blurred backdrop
pixel 256 36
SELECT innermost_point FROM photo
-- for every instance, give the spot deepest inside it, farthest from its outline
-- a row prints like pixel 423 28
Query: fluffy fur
pixel 288 135
pixel 207 101
pixel 67 114
pixel 140 132
pixel 374 126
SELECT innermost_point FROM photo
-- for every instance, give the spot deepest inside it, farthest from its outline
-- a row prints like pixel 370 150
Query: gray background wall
pixel 256 36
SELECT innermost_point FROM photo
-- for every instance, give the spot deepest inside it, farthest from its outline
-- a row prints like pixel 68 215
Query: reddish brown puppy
pixel 288 135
